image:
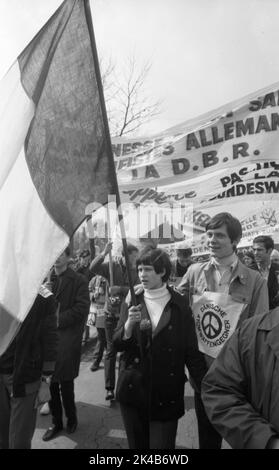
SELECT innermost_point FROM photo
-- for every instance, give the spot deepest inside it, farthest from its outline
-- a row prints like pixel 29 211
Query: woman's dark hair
pixel 233 225
pixel 157 258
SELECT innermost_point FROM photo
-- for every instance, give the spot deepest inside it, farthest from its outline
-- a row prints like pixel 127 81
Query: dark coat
pixel 72 296
pixel 240 390
pixel 85 271
pixel 173 345
pixel 273 287
pixel 34 349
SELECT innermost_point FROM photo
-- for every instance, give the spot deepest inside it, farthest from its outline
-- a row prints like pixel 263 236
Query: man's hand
pixel 48 285
pixel 43 392
pixel 107 249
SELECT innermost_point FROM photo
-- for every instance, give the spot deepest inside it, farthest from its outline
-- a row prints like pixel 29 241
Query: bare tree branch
pixel 128 104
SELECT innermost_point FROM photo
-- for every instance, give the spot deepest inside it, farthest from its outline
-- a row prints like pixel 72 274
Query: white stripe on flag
pixel 30 241
pixel 16 113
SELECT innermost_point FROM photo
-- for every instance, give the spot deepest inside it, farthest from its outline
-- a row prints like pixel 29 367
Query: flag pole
pixel 109 146
pixel 110 256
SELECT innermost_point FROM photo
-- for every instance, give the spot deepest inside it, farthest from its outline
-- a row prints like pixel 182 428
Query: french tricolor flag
pixel 54 155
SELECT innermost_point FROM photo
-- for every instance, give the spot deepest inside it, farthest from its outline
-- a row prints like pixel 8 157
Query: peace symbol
pixel 211 325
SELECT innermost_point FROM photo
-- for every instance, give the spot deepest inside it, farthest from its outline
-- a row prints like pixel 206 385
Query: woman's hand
pixel 134 316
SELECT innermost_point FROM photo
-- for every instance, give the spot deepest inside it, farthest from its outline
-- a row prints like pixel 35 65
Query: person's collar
pixel 264 268
pixel 228 261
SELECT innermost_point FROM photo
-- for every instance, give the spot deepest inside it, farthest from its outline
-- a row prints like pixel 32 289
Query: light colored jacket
pixel 240 390
pixel 246 286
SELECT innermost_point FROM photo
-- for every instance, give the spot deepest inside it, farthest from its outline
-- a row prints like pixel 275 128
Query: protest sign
pixel 233 149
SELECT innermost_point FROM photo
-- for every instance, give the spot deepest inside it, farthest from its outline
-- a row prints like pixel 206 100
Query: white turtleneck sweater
pixel 155 301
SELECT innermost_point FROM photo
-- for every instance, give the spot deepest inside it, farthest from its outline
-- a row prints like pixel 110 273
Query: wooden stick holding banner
pixel 109 147
pixel 111 280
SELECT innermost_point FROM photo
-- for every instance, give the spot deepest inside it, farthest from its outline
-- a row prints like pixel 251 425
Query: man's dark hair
pixel 265 240
pixel 130 249
pixel 157 258
pixel 233 225
pixel 184 252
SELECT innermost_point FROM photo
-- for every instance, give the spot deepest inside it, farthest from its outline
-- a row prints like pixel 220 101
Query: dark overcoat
pixel 240 390
pixel 72 297
pixel 172 345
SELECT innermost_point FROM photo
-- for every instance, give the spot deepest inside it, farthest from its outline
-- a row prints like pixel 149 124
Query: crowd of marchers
pixel 166 331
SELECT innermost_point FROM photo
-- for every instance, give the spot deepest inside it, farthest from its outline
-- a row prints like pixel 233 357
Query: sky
pixel 204 53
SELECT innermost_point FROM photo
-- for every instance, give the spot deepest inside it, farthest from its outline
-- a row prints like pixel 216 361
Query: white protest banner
pixel 242 134
pixel 258 180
